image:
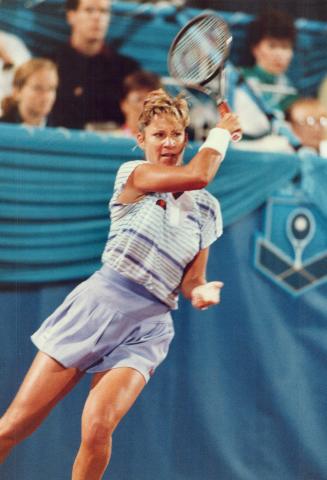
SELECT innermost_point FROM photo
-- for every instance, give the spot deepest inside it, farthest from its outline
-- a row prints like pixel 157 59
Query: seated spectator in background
pixel 91 73
pixel 33 93
pixel 136 88
pixel 264 91
pixel 308 118
pixel 13 53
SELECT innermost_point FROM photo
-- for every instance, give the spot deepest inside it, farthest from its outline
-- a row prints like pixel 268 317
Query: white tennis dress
pixel 120 316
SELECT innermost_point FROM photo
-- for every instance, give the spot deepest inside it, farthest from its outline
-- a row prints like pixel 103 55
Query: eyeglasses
pixel 92 10
pixel 311 121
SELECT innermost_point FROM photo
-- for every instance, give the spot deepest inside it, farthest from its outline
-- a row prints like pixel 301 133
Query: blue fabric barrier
pixel 55 185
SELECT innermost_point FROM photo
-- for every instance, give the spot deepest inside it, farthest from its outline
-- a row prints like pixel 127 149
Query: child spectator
pixel 33 93
pixel 91 73
pixel 136 88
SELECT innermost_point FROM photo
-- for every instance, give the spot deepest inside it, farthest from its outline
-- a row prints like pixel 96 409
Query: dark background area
pixel 311 9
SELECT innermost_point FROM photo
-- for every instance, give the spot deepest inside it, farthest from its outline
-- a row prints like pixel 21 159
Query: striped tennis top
pixel 153 240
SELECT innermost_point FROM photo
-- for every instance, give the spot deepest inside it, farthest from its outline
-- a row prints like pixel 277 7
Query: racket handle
pixel 223 108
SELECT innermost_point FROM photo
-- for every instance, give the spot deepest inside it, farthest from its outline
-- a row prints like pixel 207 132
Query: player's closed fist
pixel 230 122
pixel 206 295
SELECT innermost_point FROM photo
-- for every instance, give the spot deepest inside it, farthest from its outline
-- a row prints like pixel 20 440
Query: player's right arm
pixel 197 174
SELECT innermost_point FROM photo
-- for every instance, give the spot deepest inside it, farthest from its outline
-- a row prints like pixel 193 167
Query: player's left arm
pixel 194 285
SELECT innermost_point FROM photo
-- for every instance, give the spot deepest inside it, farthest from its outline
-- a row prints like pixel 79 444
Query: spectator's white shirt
pixel 252 119
pixel 18 53
pixel 322 93
pixel 323 148
pixel 269 143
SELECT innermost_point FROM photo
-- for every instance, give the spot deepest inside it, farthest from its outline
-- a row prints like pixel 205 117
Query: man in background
pixel 91 73
pixel 308 119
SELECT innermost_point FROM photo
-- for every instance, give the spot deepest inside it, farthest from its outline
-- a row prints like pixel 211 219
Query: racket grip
pixel 223 108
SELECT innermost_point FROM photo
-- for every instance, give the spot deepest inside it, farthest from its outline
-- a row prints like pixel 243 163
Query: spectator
pixel 308 118
pixel 265 91
pixel 136 87
pixel 13 53
pixel 91 73
pixel 34 92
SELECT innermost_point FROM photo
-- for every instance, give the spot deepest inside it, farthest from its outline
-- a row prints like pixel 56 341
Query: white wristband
pixel 218 139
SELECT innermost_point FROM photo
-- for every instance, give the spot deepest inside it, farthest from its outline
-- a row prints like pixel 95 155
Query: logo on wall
pixel 292 251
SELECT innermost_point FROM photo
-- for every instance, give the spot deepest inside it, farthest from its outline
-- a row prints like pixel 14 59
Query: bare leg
pixel 111 396
pixel 44 385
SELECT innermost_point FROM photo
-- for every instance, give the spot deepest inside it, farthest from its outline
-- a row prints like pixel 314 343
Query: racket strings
pixel 200 50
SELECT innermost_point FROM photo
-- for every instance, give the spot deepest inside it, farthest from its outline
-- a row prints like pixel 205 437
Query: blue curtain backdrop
pixel 55 186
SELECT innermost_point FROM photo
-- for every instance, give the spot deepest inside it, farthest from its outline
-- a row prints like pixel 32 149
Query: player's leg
pixel 46 382
pixel 112 395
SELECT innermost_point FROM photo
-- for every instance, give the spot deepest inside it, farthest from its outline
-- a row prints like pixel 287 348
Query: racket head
pixel 199 50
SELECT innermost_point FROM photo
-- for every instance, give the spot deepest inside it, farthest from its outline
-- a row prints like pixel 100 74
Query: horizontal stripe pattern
pixel 144 244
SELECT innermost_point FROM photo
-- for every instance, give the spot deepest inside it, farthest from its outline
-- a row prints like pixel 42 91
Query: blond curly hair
pixel 159 102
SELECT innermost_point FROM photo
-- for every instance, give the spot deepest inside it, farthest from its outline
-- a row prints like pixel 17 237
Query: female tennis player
pixel 117 324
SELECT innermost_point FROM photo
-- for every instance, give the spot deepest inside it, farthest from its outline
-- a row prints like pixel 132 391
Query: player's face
pixel 38 94
pixel 273 55
pixel 163 140
pixel 90 20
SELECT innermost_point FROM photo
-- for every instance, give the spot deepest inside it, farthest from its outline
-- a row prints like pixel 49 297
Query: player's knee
pixel 97 430
pixel 96 434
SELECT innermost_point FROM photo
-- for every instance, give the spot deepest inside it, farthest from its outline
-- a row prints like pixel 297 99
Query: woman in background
pixel 264 89
pixel 34 91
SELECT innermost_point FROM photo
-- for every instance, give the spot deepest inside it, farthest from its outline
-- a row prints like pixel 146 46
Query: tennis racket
pixel 197 56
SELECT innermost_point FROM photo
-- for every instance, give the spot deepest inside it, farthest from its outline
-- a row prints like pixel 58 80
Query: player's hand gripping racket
pixel 197 55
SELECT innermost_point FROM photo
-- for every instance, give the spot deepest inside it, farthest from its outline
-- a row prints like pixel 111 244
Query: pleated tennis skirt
pixel 108 322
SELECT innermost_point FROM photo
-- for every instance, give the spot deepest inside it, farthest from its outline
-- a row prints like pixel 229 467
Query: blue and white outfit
pixel 120 316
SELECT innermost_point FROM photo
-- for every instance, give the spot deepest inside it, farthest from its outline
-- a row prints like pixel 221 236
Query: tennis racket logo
pixel 161 203
pixel 292 252
pixel 300 229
